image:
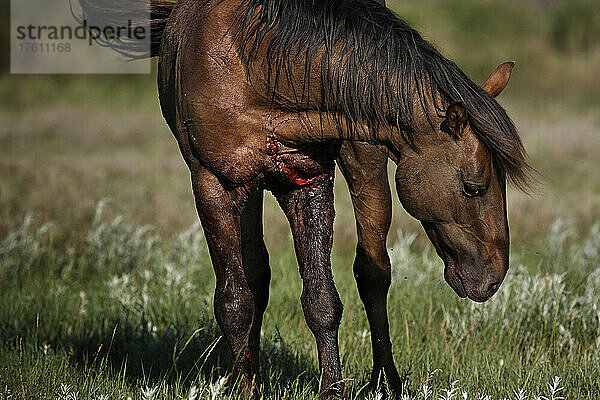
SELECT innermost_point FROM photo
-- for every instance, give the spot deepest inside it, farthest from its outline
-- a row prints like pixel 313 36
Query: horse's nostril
pixel 493 288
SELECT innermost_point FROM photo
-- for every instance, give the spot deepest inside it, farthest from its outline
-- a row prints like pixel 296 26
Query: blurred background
pixel 68 141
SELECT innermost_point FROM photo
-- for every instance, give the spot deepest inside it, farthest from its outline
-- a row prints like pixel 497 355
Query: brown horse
pixel 269 94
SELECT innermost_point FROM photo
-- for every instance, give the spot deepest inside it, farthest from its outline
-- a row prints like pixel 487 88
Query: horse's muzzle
pixel 478 290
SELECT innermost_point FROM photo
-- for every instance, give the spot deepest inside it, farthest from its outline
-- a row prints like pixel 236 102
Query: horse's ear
pixel 456 119
pixel 498 79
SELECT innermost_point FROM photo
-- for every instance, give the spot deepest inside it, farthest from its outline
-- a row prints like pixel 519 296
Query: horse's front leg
pixel 365 170
pixel 310 213
pixel 224 215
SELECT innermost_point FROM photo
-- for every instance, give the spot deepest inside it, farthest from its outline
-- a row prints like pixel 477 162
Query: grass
pixel 129 310
pixel 93 307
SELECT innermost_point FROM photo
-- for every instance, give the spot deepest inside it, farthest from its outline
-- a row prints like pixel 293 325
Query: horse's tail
pixel 147 16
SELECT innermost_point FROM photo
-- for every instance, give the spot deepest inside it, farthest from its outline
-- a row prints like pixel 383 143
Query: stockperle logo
pixel 54 36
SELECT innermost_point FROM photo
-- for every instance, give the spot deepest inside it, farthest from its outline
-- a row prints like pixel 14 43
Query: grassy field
pixel 93 306
pixel 128 310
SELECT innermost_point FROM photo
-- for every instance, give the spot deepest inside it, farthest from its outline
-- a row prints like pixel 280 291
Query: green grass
pixel 128 310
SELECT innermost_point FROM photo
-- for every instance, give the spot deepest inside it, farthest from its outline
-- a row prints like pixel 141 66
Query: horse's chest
pixel 304 166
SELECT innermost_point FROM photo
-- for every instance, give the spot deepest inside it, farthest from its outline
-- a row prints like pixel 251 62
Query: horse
pixel 271 95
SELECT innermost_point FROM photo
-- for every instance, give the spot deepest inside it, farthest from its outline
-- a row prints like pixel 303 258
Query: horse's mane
pixel 372 66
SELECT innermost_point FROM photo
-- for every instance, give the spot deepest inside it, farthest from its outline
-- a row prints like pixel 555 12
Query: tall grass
pixel 129 314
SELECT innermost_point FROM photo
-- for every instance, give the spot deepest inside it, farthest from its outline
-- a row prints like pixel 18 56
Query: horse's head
pixel 453 187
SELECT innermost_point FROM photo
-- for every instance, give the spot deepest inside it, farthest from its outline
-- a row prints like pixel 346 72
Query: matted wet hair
pixel 372 66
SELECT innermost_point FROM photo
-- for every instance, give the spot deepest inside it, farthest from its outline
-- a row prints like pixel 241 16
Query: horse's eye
pixel 471 190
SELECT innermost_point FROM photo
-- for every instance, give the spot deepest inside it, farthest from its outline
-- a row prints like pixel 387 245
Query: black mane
pixel 372 66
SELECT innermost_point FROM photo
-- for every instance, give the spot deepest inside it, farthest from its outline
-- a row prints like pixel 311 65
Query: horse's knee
pixel 372 267
pixel 323 308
